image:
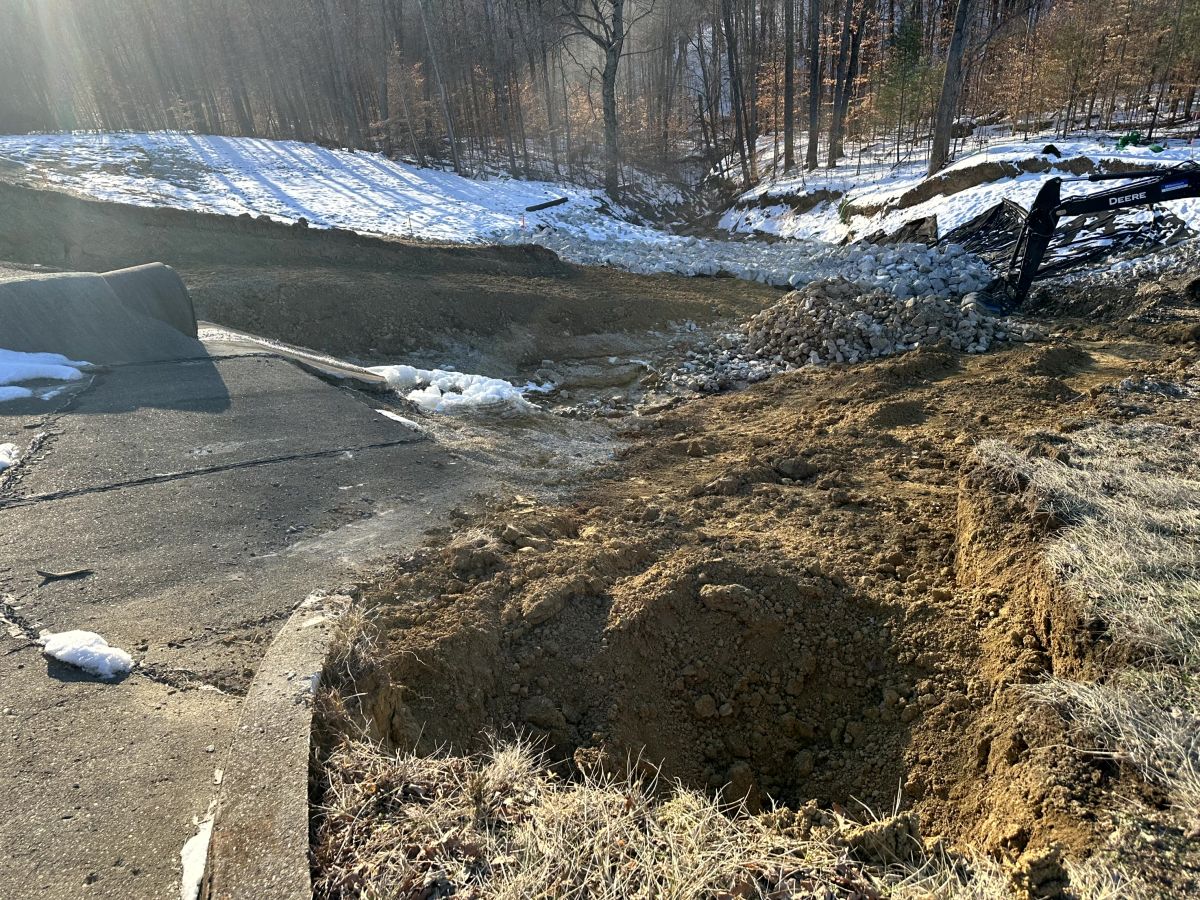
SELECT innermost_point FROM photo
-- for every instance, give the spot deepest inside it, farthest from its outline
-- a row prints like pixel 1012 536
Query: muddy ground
pixel 806 589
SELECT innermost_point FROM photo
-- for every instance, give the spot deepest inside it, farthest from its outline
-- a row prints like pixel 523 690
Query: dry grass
pixel 502 825
pixel 1130 553
pixel 354 668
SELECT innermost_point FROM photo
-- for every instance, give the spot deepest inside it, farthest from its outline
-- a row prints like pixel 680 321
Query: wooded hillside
pixel 555 88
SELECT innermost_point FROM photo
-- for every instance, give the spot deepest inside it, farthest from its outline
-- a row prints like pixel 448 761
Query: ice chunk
pixel 88 651
pixel 442 391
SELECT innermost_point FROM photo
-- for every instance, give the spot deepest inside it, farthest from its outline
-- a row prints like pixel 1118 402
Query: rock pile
pixel 721 363
pixel 834 321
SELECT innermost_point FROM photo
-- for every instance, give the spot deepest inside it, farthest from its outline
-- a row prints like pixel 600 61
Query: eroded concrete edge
pixel 260 839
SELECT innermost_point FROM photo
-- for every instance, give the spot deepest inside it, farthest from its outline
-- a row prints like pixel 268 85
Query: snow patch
pixel 9 454
pixel 14 393
pixel 442 391
pixel 17 366
pixel 388 414
pixel 194 856
pixel 88 651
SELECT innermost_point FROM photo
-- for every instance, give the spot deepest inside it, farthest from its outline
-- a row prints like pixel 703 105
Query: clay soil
pixel 803 590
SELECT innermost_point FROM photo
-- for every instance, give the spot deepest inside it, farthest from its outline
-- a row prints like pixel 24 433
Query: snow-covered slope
pixel 369 193
pixel 872 178
pixel 289 180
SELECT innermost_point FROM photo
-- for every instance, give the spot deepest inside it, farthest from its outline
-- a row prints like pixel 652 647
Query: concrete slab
pixel 209 498
pixel 186 417
pixel 100 782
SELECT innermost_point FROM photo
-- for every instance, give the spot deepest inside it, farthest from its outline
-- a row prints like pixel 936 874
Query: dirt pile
pixel 802 591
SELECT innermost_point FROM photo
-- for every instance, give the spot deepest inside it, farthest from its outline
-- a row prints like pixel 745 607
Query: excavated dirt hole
pixel 760 681
pixel 803 591
pixel 765 680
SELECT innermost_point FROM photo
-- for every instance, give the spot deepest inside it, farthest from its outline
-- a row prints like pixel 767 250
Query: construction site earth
pixel 798 588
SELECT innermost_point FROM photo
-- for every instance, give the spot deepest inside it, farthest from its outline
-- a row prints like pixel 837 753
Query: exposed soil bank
pixel 804 590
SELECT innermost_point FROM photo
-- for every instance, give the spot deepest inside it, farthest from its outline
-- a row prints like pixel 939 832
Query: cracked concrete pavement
pixel 209 497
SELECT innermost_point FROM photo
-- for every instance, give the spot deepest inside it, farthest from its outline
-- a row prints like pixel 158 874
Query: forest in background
pixel 583 89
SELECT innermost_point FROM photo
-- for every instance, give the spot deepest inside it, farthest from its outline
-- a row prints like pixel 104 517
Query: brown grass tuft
pixel 503 825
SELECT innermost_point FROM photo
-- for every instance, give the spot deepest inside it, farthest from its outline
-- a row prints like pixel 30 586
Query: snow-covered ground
pixel 369 193
pixel 17 367
pixel 870 176
pixel 289 180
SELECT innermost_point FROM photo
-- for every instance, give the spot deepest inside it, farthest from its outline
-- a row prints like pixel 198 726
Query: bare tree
pixel 789 85
pixel 603 23
pixel 814 82
pixel 741 137
pixel 943 122
pixel 437 73
pixel 844 75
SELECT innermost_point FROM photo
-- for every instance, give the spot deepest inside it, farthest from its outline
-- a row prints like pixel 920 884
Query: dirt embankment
pixel 368 297
pixel 804 590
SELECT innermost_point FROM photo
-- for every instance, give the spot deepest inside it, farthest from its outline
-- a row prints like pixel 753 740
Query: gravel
pixel 906 270
pixel 835 321
pixel 1135 269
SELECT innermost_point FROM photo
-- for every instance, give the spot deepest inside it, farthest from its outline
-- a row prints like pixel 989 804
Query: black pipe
pixel 549 203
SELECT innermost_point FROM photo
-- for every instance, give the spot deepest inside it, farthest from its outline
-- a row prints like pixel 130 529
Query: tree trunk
pixel 433 58
pixel 943 124
pixel 789 85
pixel 612 150
pixel 814 82
pixel 1166 75
pixel 847 71
pixel 735 90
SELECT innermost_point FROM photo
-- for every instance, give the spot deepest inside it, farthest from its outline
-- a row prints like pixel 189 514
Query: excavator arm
pixel 1143 188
